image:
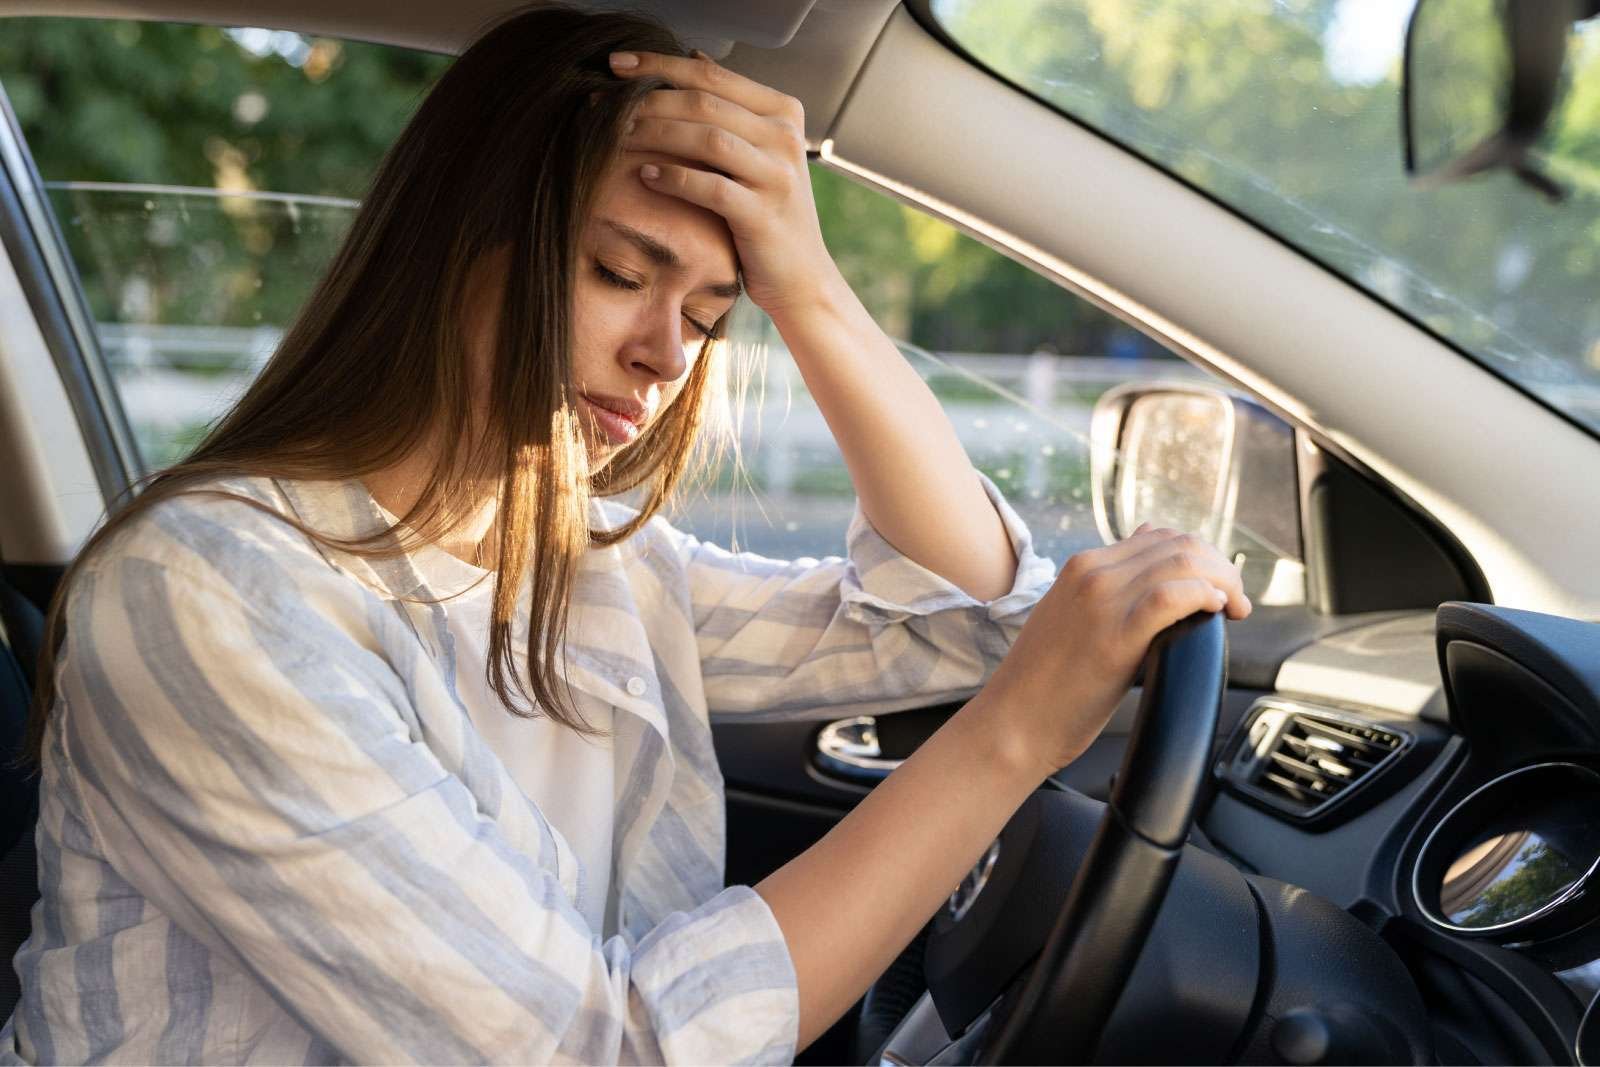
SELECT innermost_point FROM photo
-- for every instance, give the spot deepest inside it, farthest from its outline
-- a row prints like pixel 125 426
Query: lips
pixel 619 419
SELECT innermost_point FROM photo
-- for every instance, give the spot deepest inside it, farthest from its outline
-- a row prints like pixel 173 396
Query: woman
pixel 373 737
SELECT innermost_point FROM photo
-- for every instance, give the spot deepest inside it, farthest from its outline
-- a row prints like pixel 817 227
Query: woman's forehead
pixel 699 239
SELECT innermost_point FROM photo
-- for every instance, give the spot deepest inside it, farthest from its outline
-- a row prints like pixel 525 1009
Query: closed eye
pixel 612 278
pixel 704 331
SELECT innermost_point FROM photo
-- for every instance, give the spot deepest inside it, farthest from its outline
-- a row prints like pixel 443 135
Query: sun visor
pixel 715 26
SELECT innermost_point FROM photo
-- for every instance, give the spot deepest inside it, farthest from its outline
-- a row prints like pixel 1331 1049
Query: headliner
pixel 810 49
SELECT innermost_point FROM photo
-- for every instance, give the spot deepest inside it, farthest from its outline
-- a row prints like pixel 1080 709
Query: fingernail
pixel 649 172
pixel 624 61
pixel 695 53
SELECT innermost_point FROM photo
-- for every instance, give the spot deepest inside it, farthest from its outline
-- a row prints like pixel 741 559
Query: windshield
pixel 1288 111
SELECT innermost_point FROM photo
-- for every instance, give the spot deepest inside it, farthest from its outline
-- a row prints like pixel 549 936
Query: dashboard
pixel 1439 778
pixel 1426 777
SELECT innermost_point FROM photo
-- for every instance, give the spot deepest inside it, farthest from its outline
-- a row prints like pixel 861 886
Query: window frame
pixel 38 253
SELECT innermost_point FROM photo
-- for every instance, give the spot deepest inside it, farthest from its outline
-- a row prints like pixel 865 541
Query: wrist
pixel 826 298
pixel 1006 728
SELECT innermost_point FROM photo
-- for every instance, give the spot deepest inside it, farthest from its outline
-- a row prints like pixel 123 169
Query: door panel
pixel 781 801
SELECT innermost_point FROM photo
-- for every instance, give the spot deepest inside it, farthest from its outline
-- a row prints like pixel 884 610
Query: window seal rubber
pixel 38 253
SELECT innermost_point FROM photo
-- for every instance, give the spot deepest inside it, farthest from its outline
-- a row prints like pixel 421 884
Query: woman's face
pixel 654 275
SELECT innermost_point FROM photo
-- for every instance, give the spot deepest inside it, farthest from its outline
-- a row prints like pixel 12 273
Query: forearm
pixel 915 483
pixel 901 853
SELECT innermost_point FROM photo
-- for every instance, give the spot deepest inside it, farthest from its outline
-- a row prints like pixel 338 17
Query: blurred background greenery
pixel 257 110
pixel 1289 112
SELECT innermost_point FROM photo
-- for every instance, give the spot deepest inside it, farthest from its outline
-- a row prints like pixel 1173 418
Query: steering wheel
pixel 1061 1007
pixel 1056 1011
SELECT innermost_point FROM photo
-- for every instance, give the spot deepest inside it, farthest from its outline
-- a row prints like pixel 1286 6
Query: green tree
pixel 242 111
pixel 1247 99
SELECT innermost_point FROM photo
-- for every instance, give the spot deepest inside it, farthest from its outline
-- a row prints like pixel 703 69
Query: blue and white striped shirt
pixel 270 833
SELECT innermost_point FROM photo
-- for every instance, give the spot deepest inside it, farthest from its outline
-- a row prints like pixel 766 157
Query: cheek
pixel 598 326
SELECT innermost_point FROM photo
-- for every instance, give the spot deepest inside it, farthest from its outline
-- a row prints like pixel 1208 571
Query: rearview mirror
pixel 1480 80
pixel 1200 459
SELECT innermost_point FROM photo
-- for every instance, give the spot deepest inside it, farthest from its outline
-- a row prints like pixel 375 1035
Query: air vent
pixel 1304 761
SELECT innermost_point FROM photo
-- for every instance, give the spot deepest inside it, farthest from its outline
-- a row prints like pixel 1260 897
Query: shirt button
pixel 636 686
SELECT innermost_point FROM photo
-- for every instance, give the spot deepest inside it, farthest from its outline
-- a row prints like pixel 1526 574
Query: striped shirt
pixel 269 832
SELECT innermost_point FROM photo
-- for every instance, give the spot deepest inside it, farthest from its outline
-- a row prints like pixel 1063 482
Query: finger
pixel 1103 568
pixel 714 192
pixel 1109 556
pixel 1159 606
pixel 711 145
pixel 1137 542
pixel 1222 575
pixel 1183 556
pixel 697 105
pixel 701 72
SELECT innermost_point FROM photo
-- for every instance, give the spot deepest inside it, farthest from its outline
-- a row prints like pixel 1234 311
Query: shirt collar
pixel 344 510
pixel 609 652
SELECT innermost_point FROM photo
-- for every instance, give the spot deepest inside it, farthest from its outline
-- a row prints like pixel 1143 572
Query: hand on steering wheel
pixel 1082 645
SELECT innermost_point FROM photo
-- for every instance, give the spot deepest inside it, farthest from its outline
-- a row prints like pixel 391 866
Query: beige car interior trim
pixel 826 40
pixel 713 25
pixel 1392 665
pixel 925 125
pixel 51 498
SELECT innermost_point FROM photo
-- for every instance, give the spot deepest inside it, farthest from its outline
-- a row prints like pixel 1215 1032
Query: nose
pixel 655 350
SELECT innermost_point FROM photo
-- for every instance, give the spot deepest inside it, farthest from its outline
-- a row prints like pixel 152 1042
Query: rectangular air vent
pixel 1303 761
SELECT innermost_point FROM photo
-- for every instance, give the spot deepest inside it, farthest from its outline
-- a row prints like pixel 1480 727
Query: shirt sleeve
pixel 255 770
pixel 872 631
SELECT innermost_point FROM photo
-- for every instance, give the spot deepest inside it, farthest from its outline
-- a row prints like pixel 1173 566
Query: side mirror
pixel 1480 80
pixel 1198 458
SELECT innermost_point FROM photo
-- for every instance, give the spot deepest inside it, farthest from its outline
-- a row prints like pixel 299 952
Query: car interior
pixel 1357 827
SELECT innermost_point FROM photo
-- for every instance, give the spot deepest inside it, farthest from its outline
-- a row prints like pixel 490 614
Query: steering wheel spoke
pixel 1075 885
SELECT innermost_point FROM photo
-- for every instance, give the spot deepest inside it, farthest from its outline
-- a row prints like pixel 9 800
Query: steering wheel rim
pixel 1058 1011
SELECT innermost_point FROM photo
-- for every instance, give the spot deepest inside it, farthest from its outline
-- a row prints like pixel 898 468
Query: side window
pixel 201 178
pixel 1016 361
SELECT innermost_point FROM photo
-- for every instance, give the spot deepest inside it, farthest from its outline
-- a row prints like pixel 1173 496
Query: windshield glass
pixel 1288 111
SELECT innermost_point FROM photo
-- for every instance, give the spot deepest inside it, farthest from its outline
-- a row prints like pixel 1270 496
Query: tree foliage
pixel 1277 108
pixel 241 111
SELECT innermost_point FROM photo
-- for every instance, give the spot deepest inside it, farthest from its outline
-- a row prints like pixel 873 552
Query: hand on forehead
pixel 736 148
pixel 697 236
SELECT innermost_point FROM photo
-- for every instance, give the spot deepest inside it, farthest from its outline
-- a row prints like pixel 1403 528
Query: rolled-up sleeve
pixel 256 773
pixel 870 631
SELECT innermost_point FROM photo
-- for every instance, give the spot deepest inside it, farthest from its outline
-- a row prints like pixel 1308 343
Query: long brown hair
pixel 504 155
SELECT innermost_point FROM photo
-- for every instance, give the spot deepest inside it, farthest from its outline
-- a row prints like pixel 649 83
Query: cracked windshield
pixel 1289 112
pixel 201 178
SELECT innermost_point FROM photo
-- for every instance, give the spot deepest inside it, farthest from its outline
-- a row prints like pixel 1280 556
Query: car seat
pixel 21 631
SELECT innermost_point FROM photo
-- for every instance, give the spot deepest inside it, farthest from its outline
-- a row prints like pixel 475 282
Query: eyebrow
pixel 662 256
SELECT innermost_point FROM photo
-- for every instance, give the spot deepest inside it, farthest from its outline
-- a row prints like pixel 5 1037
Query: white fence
pixel 175 378
pixel 1023 418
